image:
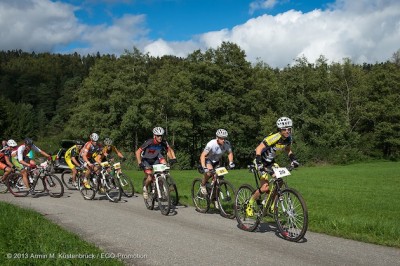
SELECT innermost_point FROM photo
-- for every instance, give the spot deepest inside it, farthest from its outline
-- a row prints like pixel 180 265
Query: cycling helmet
pixel 222 133
pixel 158 131
pixel 284 122
pixel 108 141
pixel 79 142
pixel 11 143
pixel 28 142
pixel 94 137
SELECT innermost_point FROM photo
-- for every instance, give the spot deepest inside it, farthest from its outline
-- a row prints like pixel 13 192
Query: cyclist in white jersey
pixel 212 154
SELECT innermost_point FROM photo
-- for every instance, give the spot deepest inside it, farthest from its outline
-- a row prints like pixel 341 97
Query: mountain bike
pixel 51 183
pixel 66 178
pixel 158 190
pixel 101 182
pixel 220 191
pixel 284 204
pixel 125 182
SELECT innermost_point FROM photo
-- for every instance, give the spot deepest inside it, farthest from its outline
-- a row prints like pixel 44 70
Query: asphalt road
pixel 143 237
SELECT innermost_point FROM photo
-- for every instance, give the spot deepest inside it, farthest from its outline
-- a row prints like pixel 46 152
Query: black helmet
pixel 79 142
pixel 28 142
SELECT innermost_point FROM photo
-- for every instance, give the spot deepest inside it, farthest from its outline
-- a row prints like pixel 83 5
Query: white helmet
pixel 222 133
pixel 108 141
pixel 284 122
pixel 11 143
pixel 158 131
pixel 94 137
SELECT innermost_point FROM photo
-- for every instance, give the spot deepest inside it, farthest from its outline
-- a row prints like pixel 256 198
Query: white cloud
pixel 261 4
pixel 366 31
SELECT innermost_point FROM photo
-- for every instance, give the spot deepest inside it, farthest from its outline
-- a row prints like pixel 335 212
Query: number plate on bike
pixel 117 166
pixel 160 167
pixel 105 164
pixel 281 172
pixel 221 171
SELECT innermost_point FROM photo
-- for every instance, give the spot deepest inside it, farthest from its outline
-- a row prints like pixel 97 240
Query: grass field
pixel 359 201
pixel 27 238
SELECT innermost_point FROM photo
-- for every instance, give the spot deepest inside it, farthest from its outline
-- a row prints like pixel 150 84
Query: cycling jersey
pixel 92 151
pixel 152 150
pixel 22 152
pixel 214 151
pixel 3 154
pixel 107 150
pixel 274 145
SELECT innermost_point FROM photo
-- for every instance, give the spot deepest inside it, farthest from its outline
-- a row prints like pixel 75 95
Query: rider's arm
pixel 203 159
pixel 75 161
pixel 230 157
pixel 120 155
pixel 138 154
pixel 260 148
pixel 171 153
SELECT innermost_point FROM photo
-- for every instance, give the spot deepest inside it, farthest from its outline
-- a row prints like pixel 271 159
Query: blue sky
pixel 273 31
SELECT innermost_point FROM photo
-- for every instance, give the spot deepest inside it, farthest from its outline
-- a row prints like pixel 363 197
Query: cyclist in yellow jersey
pixel 72 159
pixel 266 152
pixel 107 150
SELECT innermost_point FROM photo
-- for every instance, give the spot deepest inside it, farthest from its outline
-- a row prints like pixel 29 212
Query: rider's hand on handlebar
pixel 142 166
pixel 231 165
pixel 173 161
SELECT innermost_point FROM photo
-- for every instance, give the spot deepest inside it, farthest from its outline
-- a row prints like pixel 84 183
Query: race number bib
pixel 281 172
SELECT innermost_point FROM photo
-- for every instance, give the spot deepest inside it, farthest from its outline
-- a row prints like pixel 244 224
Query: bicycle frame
pixel 159 171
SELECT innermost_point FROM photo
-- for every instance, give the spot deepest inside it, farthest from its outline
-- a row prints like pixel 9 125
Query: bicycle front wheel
pixel 53 185
pixel 126 185
pixel 113 189
pixel 226 199
pixel 291 214
pixel 246 222
pixel 3 186
pixel 173 191
pixel 200 201
pixel 66 178
pixel 87 192
pixel 164 200
pixel 16 185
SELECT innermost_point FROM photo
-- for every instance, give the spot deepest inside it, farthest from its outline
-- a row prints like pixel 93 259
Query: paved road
pixel 186 237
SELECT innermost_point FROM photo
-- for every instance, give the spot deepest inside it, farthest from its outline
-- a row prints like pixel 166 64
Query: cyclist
pixel 151 152
pixel 24 163
pixel 87 156
pixel 266 152
pixel 5 159
pixel 107 150
pixel 72 159
pixel 211 155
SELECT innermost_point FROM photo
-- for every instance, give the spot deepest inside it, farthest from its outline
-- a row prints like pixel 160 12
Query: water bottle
pixel 30 179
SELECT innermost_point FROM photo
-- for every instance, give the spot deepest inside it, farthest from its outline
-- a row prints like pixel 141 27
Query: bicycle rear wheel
pixel 173 191
pixel 126 185
pixel 66 178
pixel 200 201
pixel 164 200
pixel 87 193
pixel 149 202
pixel 113 189
pixel 226 199
pixel 16 185
pixel 53 185
pixel 247 223
pixel 291 214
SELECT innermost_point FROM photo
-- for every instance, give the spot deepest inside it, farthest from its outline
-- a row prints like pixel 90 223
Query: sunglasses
pixel 159 136
pixel 286 129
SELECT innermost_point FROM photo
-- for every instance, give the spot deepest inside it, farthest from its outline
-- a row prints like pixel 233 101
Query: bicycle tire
pixel 113 189
pixel 3 186
pixel 242 197
pixel 16 185
pixel 53 185
pixel 149 202
pixel 87 193
pixel 173 191
pixel 291 214
pixel 226 199
pixel 200 201
pixel 164 200
pixel 66 178
pixel 127 186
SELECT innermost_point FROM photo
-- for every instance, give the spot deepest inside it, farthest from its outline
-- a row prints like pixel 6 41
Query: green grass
pixel 359 201
pixel 28 238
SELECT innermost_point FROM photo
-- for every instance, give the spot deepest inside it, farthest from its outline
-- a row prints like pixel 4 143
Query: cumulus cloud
pixel 366 31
